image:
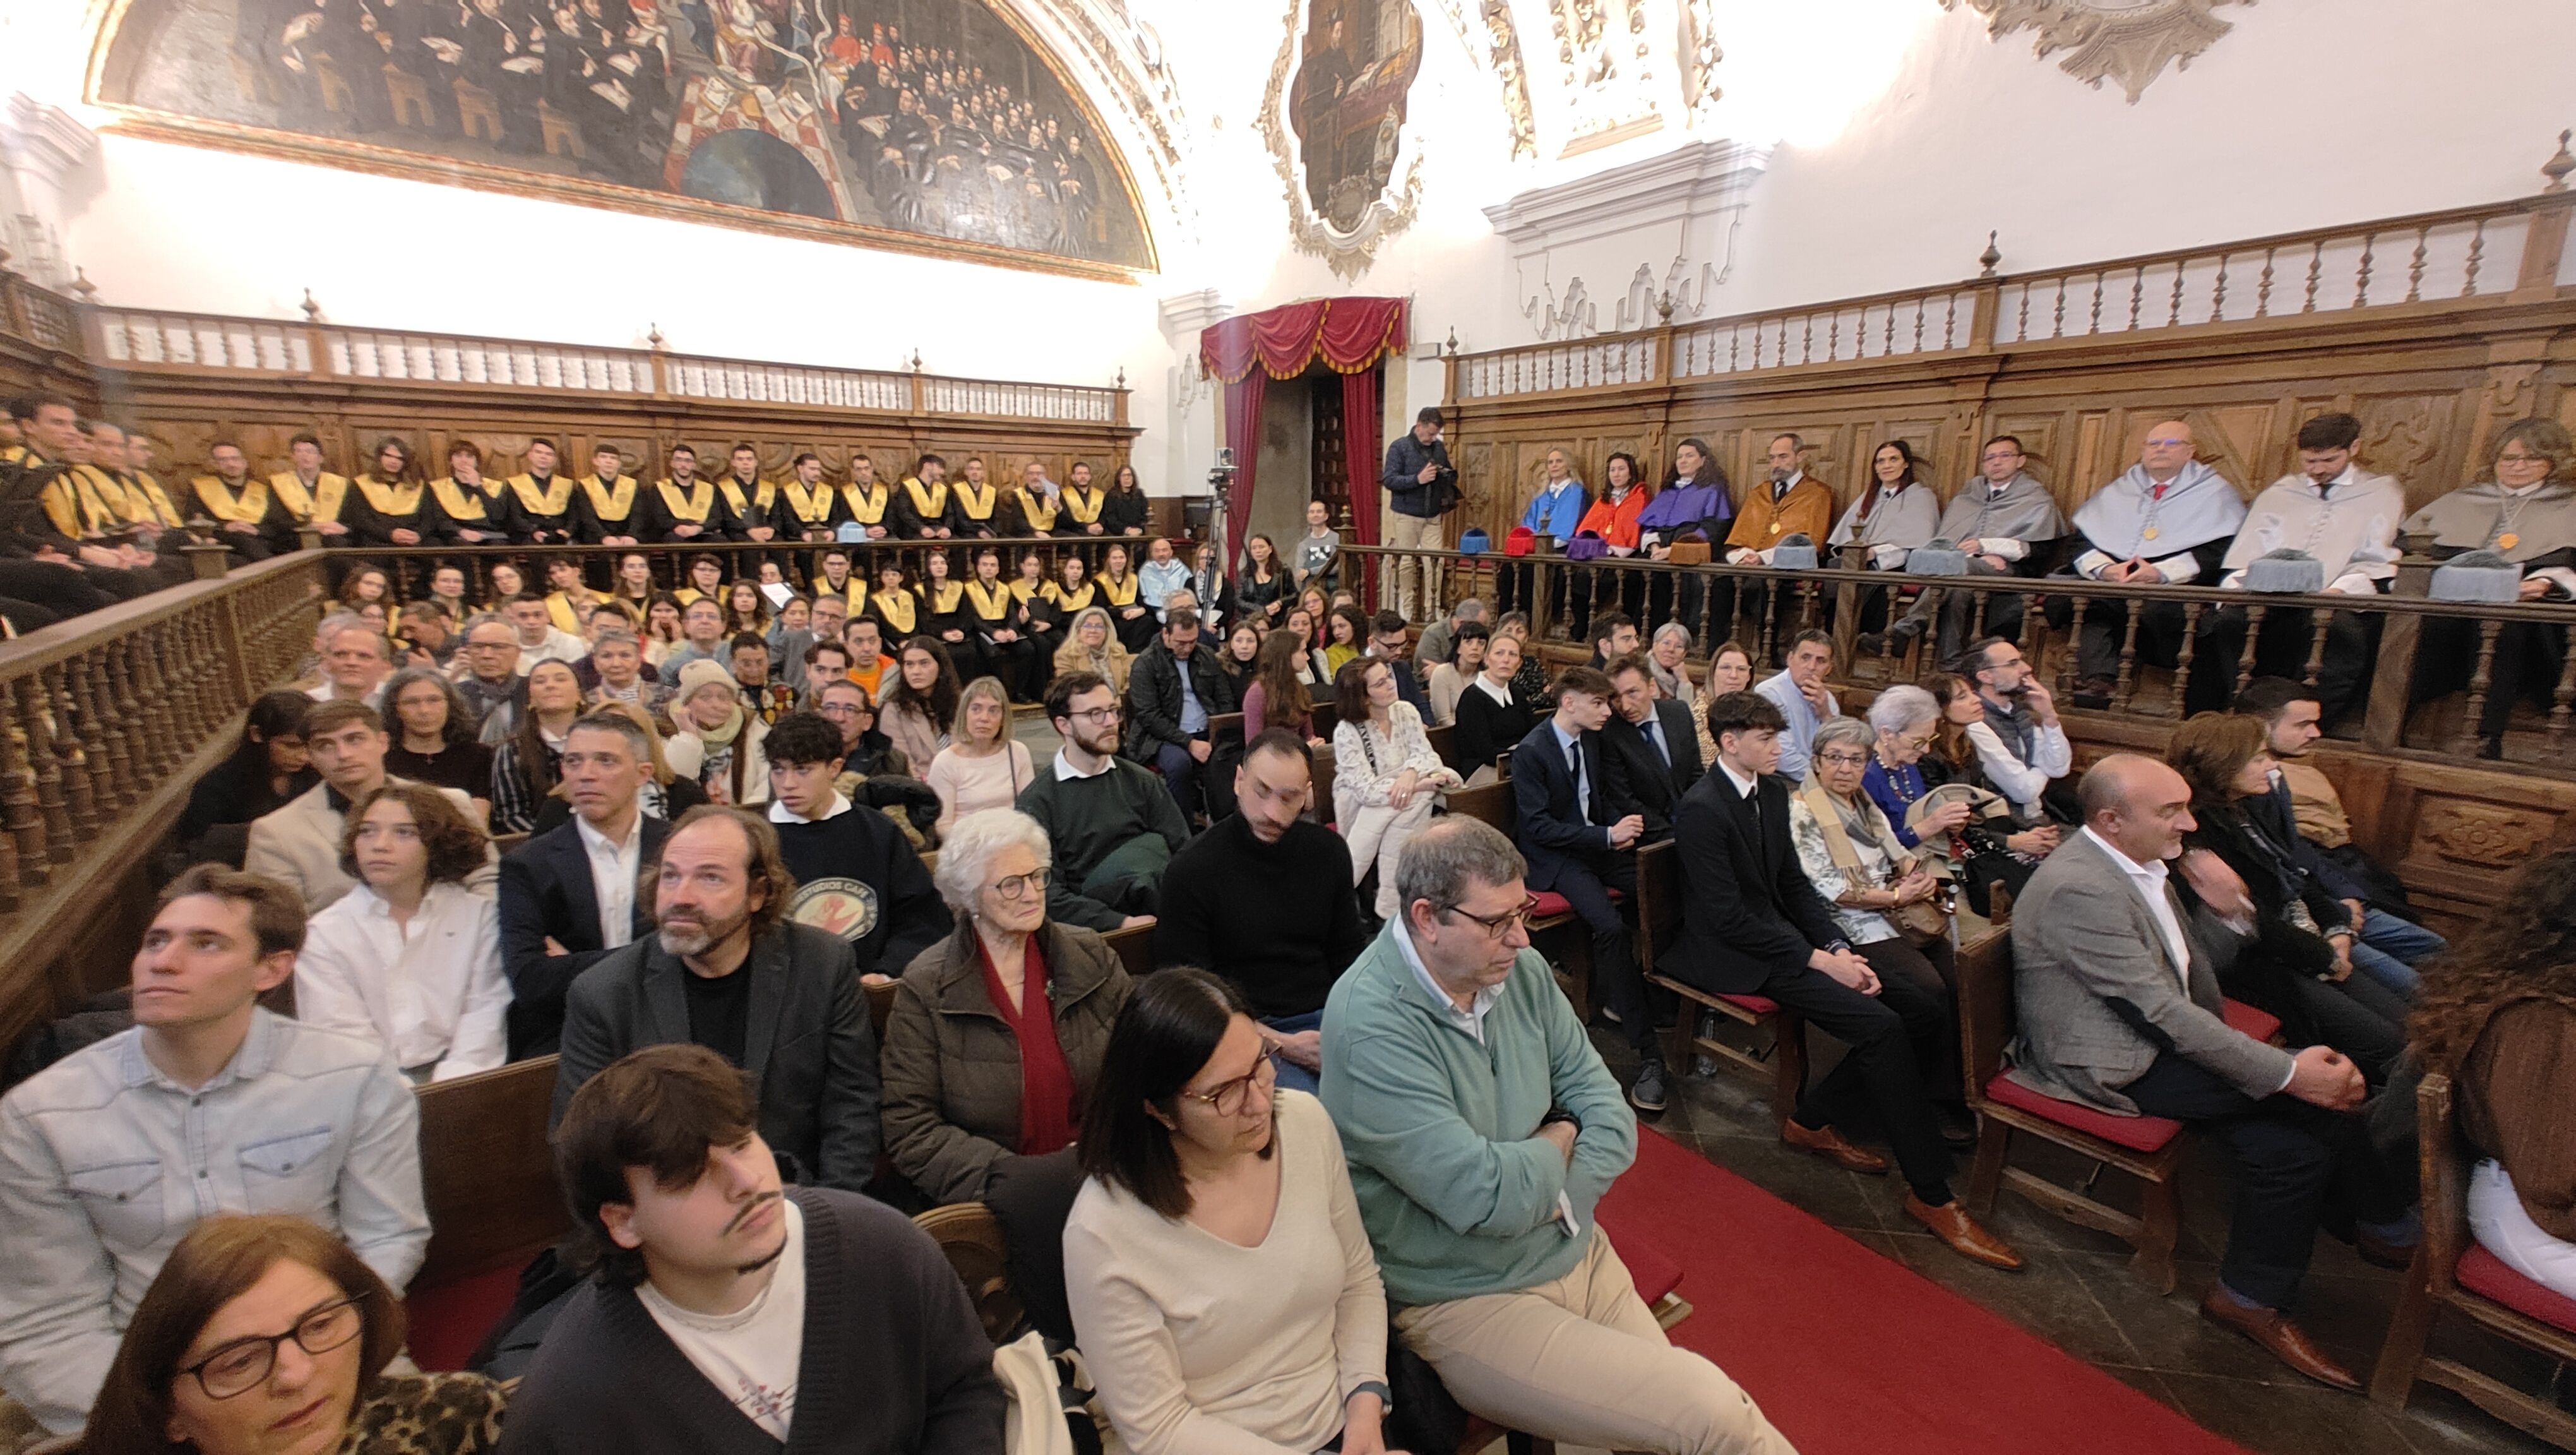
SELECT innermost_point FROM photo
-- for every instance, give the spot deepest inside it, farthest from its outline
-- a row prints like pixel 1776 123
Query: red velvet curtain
pixel 1360 439
pixel 1350 336
pixel 1243 436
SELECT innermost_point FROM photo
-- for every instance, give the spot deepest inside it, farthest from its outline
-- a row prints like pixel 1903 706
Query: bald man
pixel 2115 976
pixel 2167 521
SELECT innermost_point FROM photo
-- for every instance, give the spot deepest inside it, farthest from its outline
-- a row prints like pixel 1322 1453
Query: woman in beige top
pixel 1091 646
pixel 983 766
pixel 1221 1284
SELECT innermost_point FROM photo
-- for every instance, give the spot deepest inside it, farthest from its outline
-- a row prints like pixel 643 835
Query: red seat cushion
pixel 2484 1274
pixel 2260 1024
pixel 1551 904
pixel 2138 1134
pixel 1758 1004
pixel 448 1322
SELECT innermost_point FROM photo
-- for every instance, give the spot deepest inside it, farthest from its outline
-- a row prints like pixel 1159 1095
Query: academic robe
pixel 2535 529
pixel 2172 528
pixel 318 505
pixel 975 512
pixel 919 508
pixel 800 510
pixel 609 508
pixel 1077 509
pixel 148 502
pixel 1890 524
pixel 2350 527
pixel 749 505
pixel 872 506
pixel 1036 512
pixel 1765 521
pixel 1616 521
pixel 251 503
pixel 898 615
pixel 853 591
pixel 2006 523
pixel 377 508
pixel 541 512
pixel 668 505
pixel 460 507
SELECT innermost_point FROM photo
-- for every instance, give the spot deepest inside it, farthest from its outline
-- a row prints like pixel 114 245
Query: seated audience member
pixel 1481 1130
pixel 1553 515
pixel 1113 824
pixel 269 769
pixel 525 764
pixel 920 703
pixel 2498 1016
pixel 2021 747
pixel 410 958
pixel 2298 964
pixel 2525 511
pixel 2168 521
pixel 2116 996
pixel 2007 524
pixel 720 735
pixel 1887 520
pixel 109 1155
pixel 1387 780
pixel 1613 635
pixel 355 662
pixel 491 686
pixel 2303 810
pixel 702 637
pixel 2346 518
pixel 1389 643
pixel 825 663
pixel 727 969
pixel 1285 946
pixel 997 1031
pixel 983 766
pixel 1174 691
pixel 540 640
pixel 1242 647
pixel 1276 696
pixel 748 660
pixel 1903 720
pixel 1270 1332
pixel 569 895
pixel 855 873
pixel 713 1288
pixel 1162 574
pixel 1092 645
pixel 619 673
pixel 1798 690
pixel 205 1365
pixel 299 844
pixel 666 795
pixel 432 736
pixel 426 635
pixel 1438 642
pixel 1649 743
pixel 1573 819
pixel 1449 679
pixel 1495 711
pixel 865 751
pixel 1753 923
pixel 1346 634
pixel 870 667
pixel 1667 656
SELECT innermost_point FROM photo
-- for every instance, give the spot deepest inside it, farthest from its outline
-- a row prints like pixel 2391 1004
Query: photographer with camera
pixel 1421 486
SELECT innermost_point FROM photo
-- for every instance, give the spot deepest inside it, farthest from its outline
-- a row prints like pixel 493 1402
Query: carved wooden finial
pixel 1991 256
pixel 916 361
pixel 312 310
pixel 1122 376
pixel 2557 167
pixel 654 339
pixel 1664 307
pixel 1452 345
pixel 81 285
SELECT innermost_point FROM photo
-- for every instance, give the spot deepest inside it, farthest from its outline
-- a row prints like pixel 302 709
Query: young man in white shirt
pixel 540 640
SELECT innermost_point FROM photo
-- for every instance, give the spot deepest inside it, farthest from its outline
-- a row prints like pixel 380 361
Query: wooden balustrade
pixel 798 561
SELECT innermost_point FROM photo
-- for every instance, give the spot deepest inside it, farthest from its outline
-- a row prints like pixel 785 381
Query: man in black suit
pixel 1650 744
pixel 1576 825
pixel 1752 924
pixel 555 887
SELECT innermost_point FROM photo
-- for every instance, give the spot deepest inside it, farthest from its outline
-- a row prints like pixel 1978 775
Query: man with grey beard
pixel 728 967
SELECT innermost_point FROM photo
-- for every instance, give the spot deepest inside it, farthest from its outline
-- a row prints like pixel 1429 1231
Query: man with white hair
pixel 355 662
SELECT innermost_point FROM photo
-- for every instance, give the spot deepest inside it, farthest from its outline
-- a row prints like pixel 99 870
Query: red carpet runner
pixel 1850 1353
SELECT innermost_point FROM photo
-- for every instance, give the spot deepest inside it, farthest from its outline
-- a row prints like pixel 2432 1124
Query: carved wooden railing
pixel 40 316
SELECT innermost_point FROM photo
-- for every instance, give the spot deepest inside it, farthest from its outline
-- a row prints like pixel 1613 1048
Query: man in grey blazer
pixel 2116 987
pixel 298 844
pixel 726 969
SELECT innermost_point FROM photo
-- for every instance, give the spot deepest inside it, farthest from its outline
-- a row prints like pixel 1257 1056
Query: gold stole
pixel 292 494
pixel 1085 512
pixel 943 599
pixel 1024 590
pixel 103 495
pixel 144 491
pixel 72 503
pixel 250 507
pixel 559 606
pixel 896 610
pixel 550 502
pixel 869 508
pixel 980 511
pixel 319 506
pixel 854 591
pixel 1040 515
pixel 610 502
pixel 762 492
pixel 691 507
pixel 1108 586
pixel 387 497
pixel 810 507
pixel 1066 601
pixel 929 507
pixel 460 504
pixel 992 605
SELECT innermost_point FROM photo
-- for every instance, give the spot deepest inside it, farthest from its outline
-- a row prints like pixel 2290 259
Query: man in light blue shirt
pixel 1799 692
pixel 208 1105
pixel 1163 574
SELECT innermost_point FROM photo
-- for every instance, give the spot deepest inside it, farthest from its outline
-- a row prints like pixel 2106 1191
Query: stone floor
pixel 2078 1294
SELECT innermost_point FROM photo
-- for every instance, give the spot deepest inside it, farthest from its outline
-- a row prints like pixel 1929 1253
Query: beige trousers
pixel 1580 1361
pixel 1421 533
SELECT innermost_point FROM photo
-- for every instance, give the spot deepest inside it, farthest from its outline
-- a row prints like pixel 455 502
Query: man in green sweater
pixel 1112 824
pixel 1482 1129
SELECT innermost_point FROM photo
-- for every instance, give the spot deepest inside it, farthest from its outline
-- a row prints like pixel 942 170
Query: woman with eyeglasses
pixel 1222 1286
pixel 264 1335
pixel 997 1032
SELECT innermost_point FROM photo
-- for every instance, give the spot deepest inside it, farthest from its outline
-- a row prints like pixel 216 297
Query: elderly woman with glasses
pixel 996 1036
pixel 1221 1283
pixel 265 1334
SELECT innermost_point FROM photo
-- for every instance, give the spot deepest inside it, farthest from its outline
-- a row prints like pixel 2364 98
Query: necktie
pixel 1582 793
pixel 1655 735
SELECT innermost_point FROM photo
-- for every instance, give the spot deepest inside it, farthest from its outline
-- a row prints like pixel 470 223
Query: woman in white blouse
pixel 1222 1287
pixel 983 766
pixel 409 957
pixel 1386 778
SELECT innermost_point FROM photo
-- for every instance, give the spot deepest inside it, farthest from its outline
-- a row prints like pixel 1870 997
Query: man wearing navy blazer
pixel 555 886
pixel 1576 825
pixel 1753 924
pixel 1650 744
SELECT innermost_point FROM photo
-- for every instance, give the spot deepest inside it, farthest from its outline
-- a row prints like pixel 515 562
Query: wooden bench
pixel 1134 948
pixel 1659 922
pixel 1492 804
pixel 487 1177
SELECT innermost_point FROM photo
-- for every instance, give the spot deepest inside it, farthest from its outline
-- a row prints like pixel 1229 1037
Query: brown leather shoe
pixel 2283 1339
pixel 1966 1236
pixel 1828 1143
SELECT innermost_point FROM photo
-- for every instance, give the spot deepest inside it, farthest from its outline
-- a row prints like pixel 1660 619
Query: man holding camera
pixel 1421 486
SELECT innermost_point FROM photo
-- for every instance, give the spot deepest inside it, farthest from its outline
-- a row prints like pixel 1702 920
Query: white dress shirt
pixel 430 991
pixel 613 869
pixel 779 812
pixel 2152 883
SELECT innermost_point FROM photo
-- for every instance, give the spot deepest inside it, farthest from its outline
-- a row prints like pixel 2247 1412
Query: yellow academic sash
pixel 150 501
pixel 460 504
pixel 104 494
pixel 929 507
pixel 559 606
pixel 691 507
pixel 250 507
pixel 854 591
pixel 1023 590
pixel 896 611
pixel 943 599
pixel 1085 513
pixel 387 497
pixel 315 507
pixel 19 455
pixel 763 494
pixel 979 511
pixel 1066 601
pixel 810 507
pixel 73 504
pixel 992 605
pixel 1039 514
pixel 867 509
pixel 1108 586
pixel 610 502
pixel 549 502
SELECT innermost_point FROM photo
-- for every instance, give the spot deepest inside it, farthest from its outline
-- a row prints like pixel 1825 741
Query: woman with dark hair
pixel 1346 636
pixel 1691 506
pixel 1890 518
pixel 1386 779
pixel 266 769
pixel 2300 965
pixel 387 503
pixel 505 583
pixel 1261 591
pixel 918 710
pixel 1952 758
pixel 661 628
pixel 1222 1285
pixel 1242 652
pixel 264 1333
pixel 1450 679
pixel 527 764
pixel 896 606
pixel 1278 695
pixel 1613 517
pixel 1126 511
pixel 633 589
pixel 746 610
pixel 433 736
pixel 943 613
pixel 367 586
pixel 2497 1014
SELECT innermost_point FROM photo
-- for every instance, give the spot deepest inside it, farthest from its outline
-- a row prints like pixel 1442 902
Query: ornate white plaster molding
pixel 1350 252
pixel 1691 199
pixel 1122 68
pixel 2129 41
pixel 40 147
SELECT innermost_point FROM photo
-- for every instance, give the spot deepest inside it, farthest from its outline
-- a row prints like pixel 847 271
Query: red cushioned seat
pixel 1758 1004
pixel 1550 904
pixel 2260 1024
pixel 2138 1134
pixel 2484 1274
pixel 450 1321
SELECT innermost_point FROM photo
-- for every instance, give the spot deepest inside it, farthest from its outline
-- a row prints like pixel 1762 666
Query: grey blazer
pixel 810 1046
pixel 2097 995
pixel 299 845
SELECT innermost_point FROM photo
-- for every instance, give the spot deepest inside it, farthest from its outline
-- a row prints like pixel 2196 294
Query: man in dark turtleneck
pixel 1285 945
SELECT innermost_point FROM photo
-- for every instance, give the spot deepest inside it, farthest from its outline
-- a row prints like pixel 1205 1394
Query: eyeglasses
pixel 1227 1098
pixel 1020 886
pixel 244 1364
pixel 2516 459
pixel 1844 760
pixel 1921 744
pixel 1095 714
pixel 1499 925
pixel 847 709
